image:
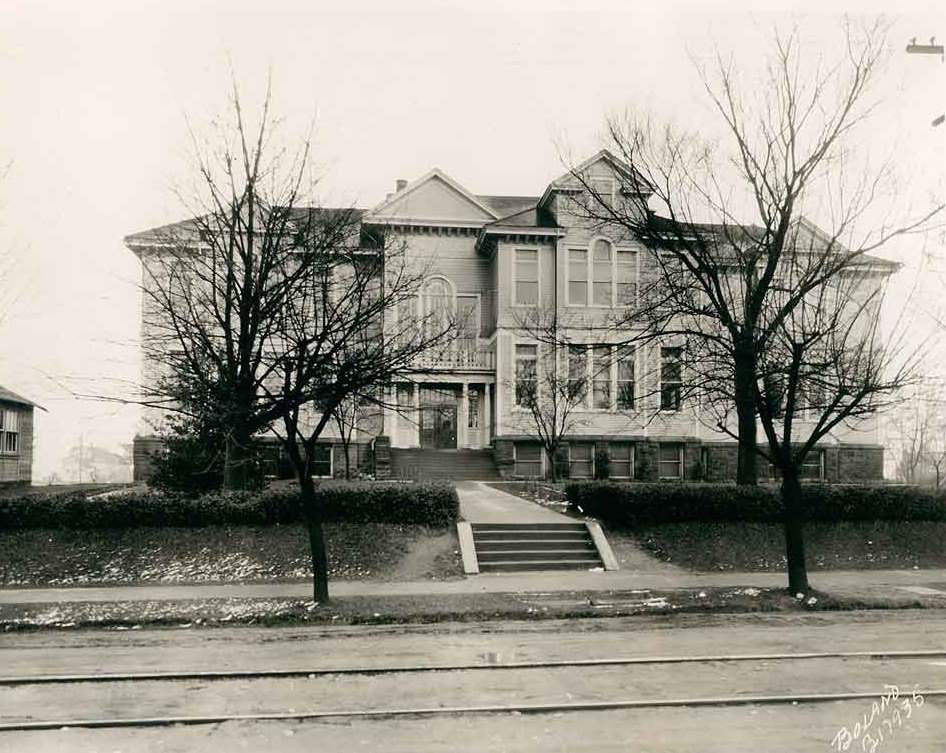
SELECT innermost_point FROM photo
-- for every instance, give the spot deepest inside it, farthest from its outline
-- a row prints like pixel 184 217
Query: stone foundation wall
pixel 712 462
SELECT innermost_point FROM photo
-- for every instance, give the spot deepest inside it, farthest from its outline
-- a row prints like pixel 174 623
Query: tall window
pixel 322 460
pixel 9 431
pixel 473 409
pixel 527 276
pixel 601 274
pixel 526 385
pixel 438 306
pixel 578 276
pixel 625 381
pixel 467 321
pixel 670 460
pixel 625 279
pixel 671 378
pixel 601 377
pixel 577 372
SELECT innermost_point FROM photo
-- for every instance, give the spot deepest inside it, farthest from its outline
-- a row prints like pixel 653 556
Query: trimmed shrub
pixel 633 505
pixel 425 504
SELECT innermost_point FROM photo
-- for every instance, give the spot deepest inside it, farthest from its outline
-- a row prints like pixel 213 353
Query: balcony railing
pixel 480 358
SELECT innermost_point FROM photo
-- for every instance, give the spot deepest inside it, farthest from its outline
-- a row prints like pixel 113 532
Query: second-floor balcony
pixel 465 356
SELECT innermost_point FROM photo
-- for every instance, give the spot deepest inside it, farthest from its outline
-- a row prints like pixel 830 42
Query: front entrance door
pixel 438 426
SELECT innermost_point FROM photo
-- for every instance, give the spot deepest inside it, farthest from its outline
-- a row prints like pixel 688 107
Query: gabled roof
pixel 569 181
pixel 399 206
pixel 8 396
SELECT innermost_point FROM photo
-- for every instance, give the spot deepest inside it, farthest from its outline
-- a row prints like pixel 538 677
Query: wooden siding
pixel 18 467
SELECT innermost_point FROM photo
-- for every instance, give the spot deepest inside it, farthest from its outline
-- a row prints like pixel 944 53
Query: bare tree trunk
pixel 314 518
pixel 744 394
pixel 553 465
pixel 236 461
pixel 794 536
pixel 346 449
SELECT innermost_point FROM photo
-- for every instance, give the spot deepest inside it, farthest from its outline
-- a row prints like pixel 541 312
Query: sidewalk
pixel 481 503
pixel 930 583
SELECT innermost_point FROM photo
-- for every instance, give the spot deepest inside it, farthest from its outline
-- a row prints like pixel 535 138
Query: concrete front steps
pixel 444 465
pixel 513 547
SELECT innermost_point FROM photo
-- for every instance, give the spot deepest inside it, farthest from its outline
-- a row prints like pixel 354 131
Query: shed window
pixel 9 431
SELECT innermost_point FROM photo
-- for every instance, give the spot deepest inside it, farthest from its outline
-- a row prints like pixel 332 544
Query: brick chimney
pixel 400 185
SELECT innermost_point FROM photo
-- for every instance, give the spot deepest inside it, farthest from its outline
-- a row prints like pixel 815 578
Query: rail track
pixel 35 686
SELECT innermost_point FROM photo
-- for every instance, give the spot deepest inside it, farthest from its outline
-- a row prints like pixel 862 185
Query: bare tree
pixel 348 334
pixel 919 435
pixel 713 276
pixel 347 418
pixel 268 316
pixel 825 369
pixel 553 381
pixel 215 287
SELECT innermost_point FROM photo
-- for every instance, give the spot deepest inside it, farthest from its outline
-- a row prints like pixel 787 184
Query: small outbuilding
pixel 16 439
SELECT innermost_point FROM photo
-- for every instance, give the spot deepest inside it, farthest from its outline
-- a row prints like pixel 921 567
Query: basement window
pixel 527 459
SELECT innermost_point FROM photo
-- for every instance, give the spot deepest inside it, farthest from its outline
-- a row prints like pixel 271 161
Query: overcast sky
pixel 94 99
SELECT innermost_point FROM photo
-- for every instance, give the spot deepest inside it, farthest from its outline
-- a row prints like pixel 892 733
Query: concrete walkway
pixel 481 503
pixel 862 582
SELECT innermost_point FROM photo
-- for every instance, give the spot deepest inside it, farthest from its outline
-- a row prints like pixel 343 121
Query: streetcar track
pixel 416 669
pixel 528 708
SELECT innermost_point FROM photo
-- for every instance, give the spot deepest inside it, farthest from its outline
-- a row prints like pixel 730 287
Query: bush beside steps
pixel 631 505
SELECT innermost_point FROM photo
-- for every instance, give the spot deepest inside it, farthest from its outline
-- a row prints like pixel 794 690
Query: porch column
pixel 487 418
pixel 415 417
pixel 464 417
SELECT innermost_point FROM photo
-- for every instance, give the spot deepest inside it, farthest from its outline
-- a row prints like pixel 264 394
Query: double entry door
pixel 438 426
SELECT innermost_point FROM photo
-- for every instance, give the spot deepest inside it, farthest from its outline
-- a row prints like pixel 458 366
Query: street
pixel 481 695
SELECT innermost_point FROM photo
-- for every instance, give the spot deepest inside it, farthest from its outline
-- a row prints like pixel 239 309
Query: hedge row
pixel 426 504
pixel 636 504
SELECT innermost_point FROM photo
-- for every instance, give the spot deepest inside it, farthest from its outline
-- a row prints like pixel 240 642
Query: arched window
pixel 438 304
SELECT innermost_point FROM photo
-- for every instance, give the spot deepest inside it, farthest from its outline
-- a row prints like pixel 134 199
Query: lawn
pixel 222 554
pixel 760 547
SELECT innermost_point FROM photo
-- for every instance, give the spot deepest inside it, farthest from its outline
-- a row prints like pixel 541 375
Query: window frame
pixel 594 381
pixel 679 461
pixel 589 460
pixel 516 404
pixel 516 280
pixel 669 384
pixel 331 461
pixel 516 460
pixel 477 318
pixel 631 358
pixel 819 455
pixel 9 431
pixel 615 253
pixel 631 461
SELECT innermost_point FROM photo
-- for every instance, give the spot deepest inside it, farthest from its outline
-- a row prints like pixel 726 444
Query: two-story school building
pixel 501 263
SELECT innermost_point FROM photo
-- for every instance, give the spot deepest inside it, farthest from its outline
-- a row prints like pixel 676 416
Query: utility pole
pixel 928 49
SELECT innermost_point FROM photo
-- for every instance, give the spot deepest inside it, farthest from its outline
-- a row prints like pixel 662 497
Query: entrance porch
pixel 441 415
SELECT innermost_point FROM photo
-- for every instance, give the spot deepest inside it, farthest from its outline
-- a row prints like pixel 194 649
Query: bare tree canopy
pixel 778 316
pixel 726 220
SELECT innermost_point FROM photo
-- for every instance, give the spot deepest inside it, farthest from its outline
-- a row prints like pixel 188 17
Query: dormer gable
pixel 604 173
pixel 434 199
